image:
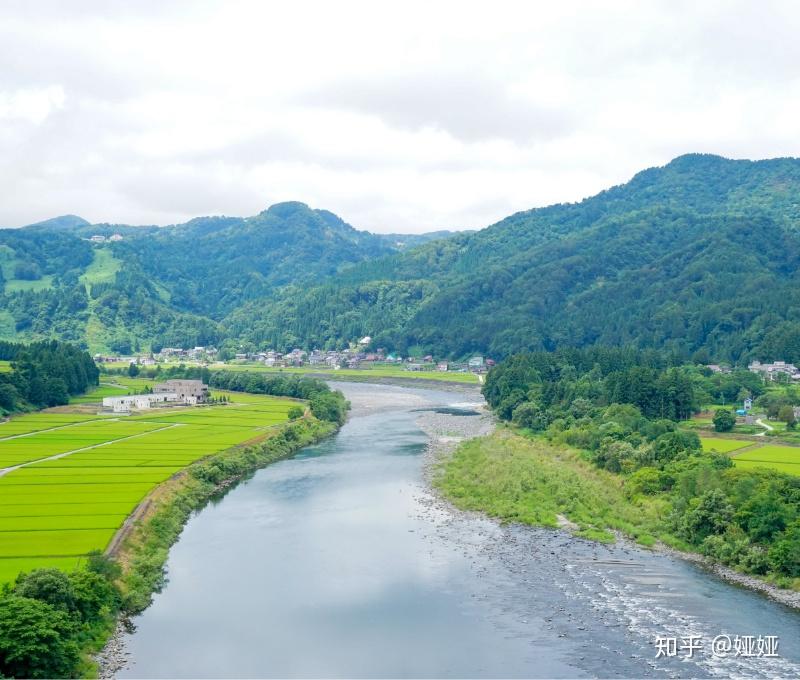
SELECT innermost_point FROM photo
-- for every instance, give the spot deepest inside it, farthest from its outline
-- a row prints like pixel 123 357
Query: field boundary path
pixel 5 471
pixel 57 427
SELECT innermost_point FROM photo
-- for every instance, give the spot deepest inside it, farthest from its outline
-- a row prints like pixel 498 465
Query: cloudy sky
pixel 396 116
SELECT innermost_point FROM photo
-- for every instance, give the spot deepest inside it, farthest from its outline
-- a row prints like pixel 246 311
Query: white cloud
pixel 398 117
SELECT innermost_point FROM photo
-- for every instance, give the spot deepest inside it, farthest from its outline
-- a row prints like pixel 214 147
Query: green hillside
pixel 698 257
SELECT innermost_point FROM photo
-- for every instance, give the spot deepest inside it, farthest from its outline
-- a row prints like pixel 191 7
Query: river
pixel 339 562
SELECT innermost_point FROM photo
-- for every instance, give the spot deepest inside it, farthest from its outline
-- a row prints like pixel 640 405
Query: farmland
pixel 781 458
pixel 54 511
pixel 723 445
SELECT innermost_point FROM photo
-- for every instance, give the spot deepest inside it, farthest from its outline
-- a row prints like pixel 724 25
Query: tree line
pixel 44 374
pixel 622 409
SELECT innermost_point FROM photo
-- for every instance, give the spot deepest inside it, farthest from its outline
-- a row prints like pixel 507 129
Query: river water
pixel 340 563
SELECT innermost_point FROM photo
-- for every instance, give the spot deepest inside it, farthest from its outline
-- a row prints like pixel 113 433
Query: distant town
pixel 355 357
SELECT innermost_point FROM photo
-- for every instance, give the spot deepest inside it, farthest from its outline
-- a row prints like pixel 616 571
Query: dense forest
pixel 43 374
pixel 622 409
pixel 699 258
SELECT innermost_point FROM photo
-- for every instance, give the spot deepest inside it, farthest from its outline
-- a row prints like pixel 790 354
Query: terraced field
pixel 53 512
pixel 782 458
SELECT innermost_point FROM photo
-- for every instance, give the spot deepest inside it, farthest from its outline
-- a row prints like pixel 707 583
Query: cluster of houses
pixel 775 370
pixel 167 354
pixel 353 357
pixel 198 353
pixel 99 238
pixel 169 393
pixel 358 358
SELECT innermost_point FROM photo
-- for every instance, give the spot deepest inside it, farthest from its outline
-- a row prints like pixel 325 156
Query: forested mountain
pixel 171 285
pixel 698 257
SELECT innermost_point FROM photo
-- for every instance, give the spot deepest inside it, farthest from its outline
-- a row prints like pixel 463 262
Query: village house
pixel 138 401
pixel 187 391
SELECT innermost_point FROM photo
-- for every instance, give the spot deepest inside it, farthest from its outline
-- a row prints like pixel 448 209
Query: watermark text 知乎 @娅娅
pixel 745 646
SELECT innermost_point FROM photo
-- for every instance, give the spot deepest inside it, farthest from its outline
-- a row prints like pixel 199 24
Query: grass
pixel 19 285
pixel 723 445
pixel 518 479
pixel 103 269
pixel 62 509
pixel 96 394
pixel 5 366
pixel 781 458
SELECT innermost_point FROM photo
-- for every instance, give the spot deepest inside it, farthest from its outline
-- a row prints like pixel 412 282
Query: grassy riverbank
pixel 518 478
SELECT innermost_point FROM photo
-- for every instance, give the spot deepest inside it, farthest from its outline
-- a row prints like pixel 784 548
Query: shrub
pixel 724 420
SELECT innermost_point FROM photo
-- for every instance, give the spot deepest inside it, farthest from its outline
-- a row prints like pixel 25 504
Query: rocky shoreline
pixel 113 657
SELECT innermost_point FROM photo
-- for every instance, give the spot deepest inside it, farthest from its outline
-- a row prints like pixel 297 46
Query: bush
pixel 295 412
pixel 711 514
pixel 724 420
pixel 532 416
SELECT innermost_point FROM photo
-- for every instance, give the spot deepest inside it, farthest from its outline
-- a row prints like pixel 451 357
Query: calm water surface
pixel 339 563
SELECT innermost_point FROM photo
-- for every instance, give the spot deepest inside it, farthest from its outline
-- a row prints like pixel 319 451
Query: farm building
pixel 138 401
pixel 187 391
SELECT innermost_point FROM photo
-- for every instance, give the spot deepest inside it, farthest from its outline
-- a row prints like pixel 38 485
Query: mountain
pixel 170 285
pixel 62 222
pixel 699 257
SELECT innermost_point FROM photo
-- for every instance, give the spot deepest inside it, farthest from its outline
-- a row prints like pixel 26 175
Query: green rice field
pixel 53 512
pixel 723 445
pixel 102 390
pixel 782 458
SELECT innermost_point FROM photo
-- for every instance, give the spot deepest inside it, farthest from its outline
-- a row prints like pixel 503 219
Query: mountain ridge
pixel 708 244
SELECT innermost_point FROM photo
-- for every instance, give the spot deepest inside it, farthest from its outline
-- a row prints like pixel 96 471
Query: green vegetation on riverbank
pixel 145 551
pixel 518 479
pixel 604 447
pixel 49 631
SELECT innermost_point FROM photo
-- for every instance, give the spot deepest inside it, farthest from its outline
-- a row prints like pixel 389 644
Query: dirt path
pixel 767 427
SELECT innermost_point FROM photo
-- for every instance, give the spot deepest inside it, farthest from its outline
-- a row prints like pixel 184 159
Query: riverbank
pixel 143 545
pixel 517 480
pixel 341 562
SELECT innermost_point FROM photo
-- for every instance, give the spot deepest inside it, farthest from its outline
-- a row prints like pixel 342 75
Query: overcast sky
pixel 396 116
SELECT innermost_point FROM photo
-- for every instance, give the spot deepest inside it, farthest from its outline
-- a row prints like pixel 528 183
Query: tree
pixel 36 640
pixel 529 414
pixel 786 415
pixel 724 420
pixel 295 412
pixel 133 370
pixel 712 515
pixel 48 585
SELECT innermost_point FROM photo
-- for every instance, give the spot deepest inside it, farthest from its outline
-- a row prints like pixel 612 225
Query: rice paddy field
pixel 721 445
pixel 81 475
pixel 782 458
